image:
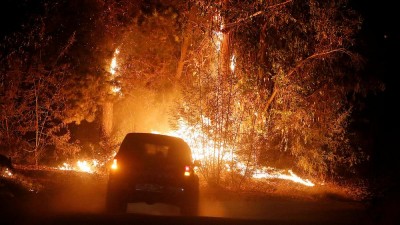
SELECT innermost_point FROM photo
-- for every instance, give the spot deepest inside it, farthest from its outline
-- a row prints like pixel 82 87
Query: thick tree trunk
pixel 107 119
pixel 186 40
pixel 225 56
pixel 184 49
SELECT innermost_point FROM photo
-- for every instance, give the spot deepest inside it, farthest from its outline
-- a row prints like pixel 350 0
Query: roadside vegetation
pixel 257 83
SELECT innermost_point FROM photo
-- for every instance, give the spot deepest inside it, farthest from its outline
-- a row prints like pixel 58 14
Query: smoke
pixel 67 192
pixel 144 110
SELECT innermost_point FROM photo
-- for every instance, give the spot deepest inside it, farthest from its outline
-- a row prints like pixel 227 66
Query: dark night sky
pixel 12 14
pixel 379 42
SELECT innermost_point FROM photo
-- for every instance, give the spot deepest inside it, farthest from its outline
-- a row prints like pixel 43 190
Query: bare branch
pixel 271 98
pixel 256 14
pixel 318 55
pixel 299 65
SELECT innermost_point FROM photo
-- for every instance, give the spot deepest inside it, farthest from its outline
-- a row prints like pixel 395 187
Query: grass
pixel 275 188
pixel 54 180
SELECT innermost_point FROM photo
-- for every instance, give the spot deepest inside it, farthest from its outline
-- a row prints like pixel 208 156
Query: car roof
pixel 153 137
pixel 138 138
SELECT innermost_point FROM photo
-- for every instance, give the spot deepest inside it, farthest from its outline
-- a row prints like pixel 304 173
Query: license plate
pixel 149 187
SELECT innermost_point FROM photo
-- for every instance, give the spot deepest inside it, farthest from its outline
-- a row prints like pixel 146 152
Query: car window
pixel 153 150
pixel 154 147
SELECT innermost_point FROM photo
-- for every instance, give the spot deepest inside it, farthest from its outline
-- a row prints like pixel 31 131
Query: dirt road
pixel 80 200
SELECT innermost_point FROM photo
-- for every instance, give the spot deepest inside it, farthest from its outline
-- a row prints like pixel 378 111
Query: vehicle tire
pixel 190 204
pixel 115 201
pixel 190 208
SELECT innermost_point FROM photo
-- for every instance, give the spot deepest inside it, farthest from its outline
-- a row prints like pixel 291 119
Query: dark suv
pixel 153 168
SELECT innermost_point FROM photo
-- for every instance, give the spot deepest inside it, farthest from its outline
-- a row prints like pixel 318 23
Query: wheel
pixel 115 201
pixel 190 204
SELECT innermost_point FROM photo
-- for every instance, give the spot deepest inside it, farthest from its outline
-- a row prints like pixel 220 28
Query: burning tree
pixel 149 51
pixel 285 100
pixel 256 83
pixel 267 83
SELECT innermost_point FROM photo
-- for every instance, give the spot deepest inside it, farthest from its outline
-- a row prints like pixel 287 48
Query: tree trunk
pixel 186 40
pixel 107 119
pixel 225 48
pixel 184 49
pixel 225 56
pixel 36 127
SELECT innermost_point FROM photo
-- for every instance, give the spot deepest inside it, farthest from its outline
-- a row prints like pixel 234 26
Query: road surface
pixel 81 201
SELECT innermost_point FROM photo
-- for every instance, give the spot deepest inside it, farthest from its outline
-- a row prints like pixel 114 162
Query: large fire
pixel 82 166
pixel 202 150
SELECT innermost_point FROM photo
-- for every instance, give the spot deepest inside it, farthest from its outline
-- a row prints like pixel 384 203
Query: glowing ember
pixel 116 89
pixel 113 70
pixel 5 172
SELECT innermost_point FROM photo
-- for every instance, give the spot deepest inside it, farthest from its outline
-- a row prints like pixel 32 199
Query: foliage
pixel 149 51
pixel 33 101
pixel 148 57
pixel 45 86
pixel 287 102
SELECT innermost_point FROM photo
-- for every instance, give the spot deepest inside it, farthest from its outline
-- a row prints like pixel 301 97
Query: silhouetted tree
pixel 33 101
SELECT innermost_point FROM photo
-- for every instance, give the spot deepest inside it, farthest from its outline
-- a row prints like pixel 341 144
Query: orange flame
pixel 204 150
pixel 114 65
pixel 82 166
pixel 113 71
pixel 272 173
pixel 192 134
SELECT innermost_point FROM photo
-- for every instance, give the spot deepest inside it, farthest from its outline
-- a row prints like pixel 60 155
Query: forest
pixel 251 85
